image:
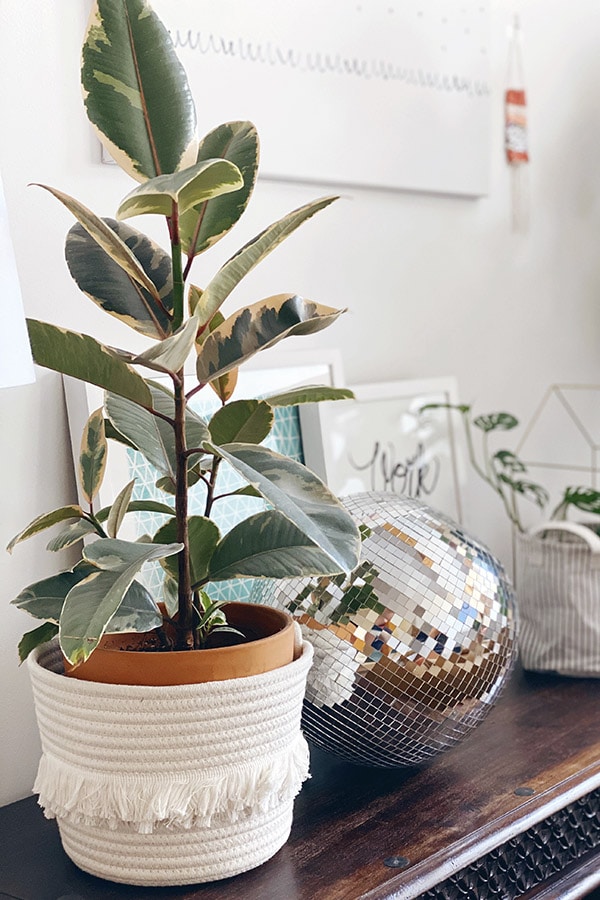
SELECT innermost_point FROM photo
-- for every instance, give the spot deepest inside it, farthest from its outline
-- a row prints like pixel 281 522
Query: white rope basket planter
pixel 170 785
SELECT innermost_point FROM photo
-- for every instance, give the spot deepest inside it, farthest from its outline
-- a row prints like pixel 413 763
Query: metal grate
pixel 531 858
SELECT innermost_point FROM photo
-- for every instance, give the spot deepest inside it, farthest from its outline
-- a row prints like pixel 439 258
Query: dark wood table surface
pixel 452 828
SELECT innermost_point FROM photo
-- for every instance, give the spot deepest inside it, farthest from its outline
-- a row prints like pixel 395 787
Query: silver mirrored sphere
pixel 414 647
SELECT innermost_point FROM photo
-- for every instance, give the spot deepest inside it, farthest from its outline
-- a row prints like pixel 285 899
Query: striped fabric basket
pixel 558 592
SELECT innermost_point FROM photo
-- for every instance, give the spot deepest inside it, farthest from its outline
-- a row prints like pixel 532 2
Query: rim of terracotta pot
pixel 110 664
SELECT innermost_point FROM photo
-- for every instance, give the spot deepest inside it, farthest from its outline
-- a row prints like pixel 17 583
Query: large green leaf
pixel 119 509
pixel 33 639
pixel 91 604
pixel 83 357
pixel 136 91
pixel 138 611
pixel 584 498
pixel 207 179
pixel 44 599
pixel 46 520
pixel 314 393
pixel 72 534
pixel 496 421
pixel 296 492
pixel 109 284
pixel 232 272
pixel 93 455
pixel 150 434
pixel 170 355
pixel 529 489
pixel 139 506
pixel 203 538
pixel 204 225
pixel 509 461
pixel 267 545
pixel 107 239
pixel 243 421
pixel 257 327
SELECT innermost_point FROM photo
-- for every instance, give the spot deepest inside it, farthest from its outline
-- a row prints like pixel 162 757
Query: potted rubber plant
pixel 153 769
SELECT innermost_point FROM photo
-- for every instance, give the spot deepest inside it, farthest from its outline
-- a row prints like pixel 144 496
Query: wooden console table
pixel 514 811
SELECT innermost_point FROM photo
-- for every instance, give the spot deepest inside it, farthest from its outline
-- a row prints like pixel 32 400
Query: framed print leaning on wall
pixel 382 442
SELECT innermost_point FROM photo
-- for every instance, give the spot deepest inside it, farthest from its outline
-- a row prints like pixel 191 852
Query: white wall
pixel 435 285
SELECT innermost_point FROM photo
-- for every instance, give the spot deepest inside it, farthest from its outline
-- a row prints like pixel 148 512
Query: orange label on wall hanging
pixel 515 131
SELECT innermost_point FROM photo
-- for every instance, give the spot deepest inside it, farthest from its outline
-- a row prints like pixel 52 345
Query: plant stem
pixel 185 618
pixel 178 282
pixel 210 493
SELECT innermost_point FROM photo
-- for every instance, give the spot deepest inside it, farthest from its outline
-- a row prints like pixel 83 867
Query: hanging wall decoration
pixel 515 132
pixel 398 91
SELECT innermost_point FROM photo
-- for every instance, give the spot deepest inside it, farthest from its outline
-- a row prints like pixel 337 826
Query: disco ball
pixel 411 650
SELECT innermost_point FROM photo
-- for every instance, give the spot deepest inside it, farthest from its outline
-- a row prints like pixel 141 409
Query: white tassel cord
pixel 67 792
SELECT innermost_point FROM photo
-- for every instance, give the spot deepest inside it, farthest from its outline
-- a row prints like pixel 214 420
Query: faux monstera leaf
pixel 496 422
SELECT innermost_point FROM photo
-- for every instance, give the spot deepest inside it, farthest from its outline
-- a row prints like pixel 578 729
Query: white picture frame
pixel 382 442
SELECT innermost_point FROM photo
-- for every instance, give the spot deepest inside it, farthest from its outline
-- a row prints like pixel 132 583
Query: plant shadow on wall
pixel 212 794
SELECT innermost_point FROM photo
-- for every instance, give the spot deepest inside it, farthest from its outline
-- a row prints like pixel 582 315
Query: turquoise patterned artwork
pixel 285 438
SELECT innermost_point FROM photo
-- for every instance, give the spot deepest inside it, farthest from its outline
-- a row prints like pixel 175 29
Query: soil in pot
pixel 140 659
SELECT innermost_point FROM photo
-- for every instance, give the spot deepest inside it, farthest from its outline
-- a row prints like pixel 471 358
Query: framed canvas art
pixel 389 93
pixel 383 441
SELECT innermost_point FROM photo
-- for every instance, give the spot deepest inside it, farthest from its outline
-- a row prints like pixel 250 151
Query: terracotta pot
pixel 271 646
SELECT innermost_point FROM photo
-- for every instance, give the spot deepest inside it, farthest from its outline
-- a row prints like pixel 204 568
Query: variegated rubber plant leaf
pixel 205 224
pixel 295 491
pixel 267 545
pixel 93 455
pixel 204 535
pixel 243 421
pixel 46 520
pixel 136 91
pixel 111 286
pixel 85 358
pixel 152 435
pixel 223 385
pixel 106 238
pixel 206 179
pixel 236 268
pixel 314 393
pixel 257 327
pixel 90 605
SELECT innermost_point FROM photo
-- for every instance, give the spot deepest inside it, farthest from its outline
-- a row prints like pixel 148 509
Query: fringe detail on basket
pixel 224 794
